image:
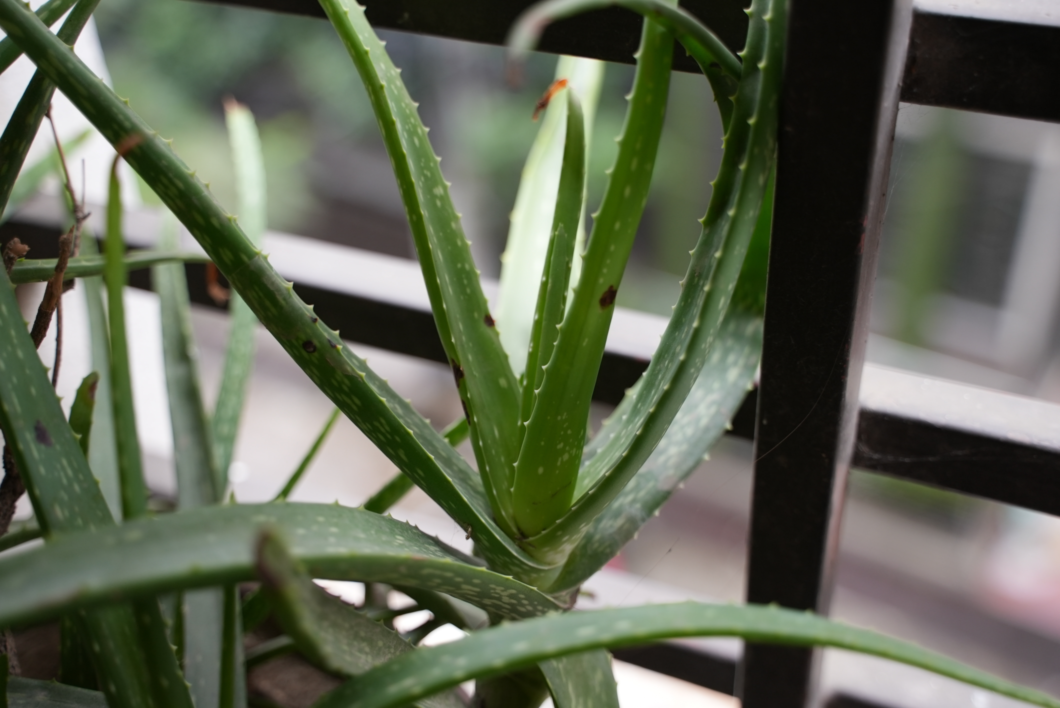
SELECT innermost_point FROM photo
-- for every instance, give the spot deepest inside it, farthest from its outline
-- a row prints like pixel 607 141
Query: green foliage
pixel 545 508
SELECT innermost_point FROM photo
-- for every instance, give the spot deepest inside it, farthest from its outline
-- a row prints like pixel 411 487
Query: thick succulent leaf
pixel 215 545
pixel 239 354
pixel 330 633
pixel 720 65
pixel 552 293
pixel 30 178
pixel 488 388
pixel 704 46
pixel 198 482
pixel 36 100
pixel 400 484
pixel 102 448
pixel 19 533
pixel 501 649
pixel 447 609
pixel 731 220
pixel 75 658
pixel 487 385
pixel 81 410
pixel 531 221
pixel 310 455
pixel 38 270
pixel 703 418
pixel 555 434
pixel 581 680
pixel 130 459
pixel 29 693
pixel 49 13
pixel 233 660
pixel 385 417
pixel 67 502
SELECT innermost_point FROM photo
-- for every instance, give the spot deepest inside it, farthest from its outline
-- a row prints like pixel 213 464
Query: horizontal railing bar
pixel 954 436
pixel 959 55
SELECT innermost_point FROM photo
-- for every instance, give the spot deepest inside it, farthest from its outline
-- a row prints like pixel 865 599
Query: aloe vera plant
pixel 545 508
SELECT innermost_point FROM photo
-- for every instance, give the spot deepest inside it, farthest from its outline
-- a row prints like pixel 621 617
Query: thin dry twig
pixel 53 292
pixel 58 340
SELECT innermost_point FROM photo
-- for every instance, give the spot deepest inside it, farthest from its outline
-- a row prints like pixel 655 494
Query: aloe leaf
pixel 386 418
pixel 269 650
pixel 718 63
pixel 49 13
pixel 67 503
pixel 296 476
pixel 531 221
pixel 19 533
pixel 81 410
pixel 233 690
pixel 215 545
pixel 198 481
pixel 551 450
pixel 330 633
pixel 130 461
pixel 239 354
pixel 29 693
pixel 552 295
pixel 704 417
pixel 581 680
pixel 36 100
pixel 400 484
pixel 488 387
pixel 447 609
pixel 731 220
pixel 38 270
pixel 704 46
pixel 500 649
pixel 102 448
pixel 75 659
pixel 30 179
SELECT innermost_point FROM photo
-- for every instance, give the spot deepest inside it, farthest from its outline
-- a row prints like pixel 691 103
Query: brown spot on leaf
pixel 333 345
pixel 126 144
pixel 488 320
pixel 309 346
pixel 608 298
pixel 458 371
pixel 43 436
pixel 217 292
pixel 467 411
pixel 315 320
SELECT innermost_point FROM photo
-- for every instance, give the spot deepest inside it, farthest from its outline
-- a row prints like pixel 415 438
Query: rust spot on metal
pixel 488 320
pixel 608 298
pixel 309 346
pixel 43 436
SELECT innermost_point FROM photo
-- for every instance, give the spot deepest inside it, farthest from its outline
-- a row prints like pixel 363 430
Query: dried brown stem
pixel 54 290
pixel 58 340
pixel 14 250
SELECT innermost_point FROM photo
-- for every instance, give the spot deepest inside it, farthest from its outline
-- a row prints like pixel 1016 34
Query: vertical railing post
pixel 837 112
